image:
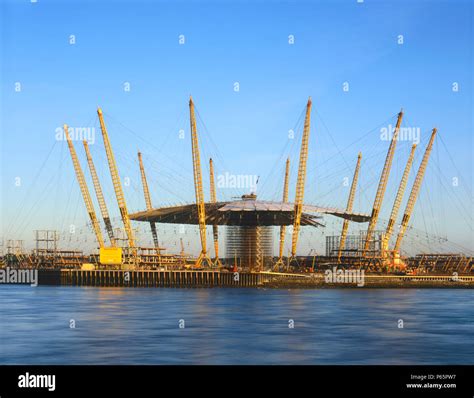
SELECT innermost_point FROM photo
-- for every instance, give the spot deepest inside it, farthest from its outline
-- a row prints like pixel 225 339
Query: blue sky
pixel 246 132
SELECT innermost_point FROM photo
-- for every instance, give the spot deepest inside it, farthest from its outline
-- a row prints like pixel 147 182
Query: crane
pixel 382 185
pixel 203 256
pixel 350 203
pixel 399 197
pixel 285 200
pixel 215 231
pixel 300 183
pixel 84 190
pixel 414 191
pixel 146 193
pixel 99 194
pixel 117 184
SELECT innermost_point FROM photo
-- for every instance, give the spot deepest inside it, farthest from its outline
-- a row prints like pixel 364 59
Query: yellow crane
pixel 99 194
pixel 146 193
pixel 350 203
pixel 300 183
pixel 382 185
pixel 117 184
pixel 84 190
pixel 203 256
pixel 414 191
pixel 283 227
pixel 215 231
pixel 399 197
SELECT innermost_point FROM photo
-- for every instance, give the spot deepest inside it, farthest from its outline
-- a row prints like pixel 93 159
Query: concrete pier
pixel 152 278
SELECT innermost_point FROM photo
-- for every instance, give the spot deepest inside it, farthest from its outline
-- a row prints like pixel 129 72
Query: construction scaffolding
pixel 354 245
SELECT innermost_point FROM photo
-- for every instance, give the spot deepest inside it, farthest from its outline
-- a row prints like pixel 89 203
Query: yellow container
pixel 110 255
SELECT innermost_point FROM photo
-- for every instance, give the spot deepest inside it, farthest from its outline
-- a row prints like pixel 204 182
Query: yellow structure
pixel 283 227
pixel 300 183
pixel 203 256
pixel 382 185
pixel 398 198
pixel 84 190
pixel 215 231
pixel 110 255
pixel 350 203
pixel 117 184
pixel 146 193
pixel 414 192
pixel 100 196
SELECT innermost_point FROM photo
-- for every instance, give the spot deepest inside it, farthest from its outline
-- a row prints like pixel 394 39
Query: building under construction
pixel 250 222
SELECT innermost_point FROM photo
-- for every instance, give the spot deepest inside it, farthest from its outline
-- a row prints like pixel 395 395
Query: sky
pixel 250 67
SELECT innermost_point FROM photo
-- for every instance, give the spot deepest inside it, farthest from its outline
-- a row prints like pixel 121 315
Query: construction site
pixel 251 225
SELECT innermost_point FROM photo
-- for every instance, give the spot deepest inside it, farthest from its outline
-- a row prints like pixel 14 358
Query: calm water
pixel 235 326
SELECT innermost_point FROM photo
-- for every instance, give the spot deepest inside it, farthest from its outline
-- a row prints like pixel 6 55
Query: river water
pixel 235 326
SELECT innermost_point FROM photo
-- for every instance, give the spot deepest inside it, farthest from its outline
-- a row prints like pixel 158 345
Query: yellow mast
pixel 382 185
pixel 350 203
pixel 117 184
pixel 203 256
pixel 285 200
pixel 399 197
pixel 414 191
pixel 301 180
pixel 85 192
pixel 100 196
pixel 146 193
pixel 215 231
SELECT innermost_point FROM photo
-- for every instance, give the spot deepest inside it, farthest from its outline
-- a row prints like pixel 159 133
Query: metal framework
pixel 146 193
pixel 414 191
pixel 215 231
pixel 285 200
pixel 399 196
pixel 116 182
pixel 203 256
pixel 84 190
pixel 350 203
pixel 382 184
pixel 301 180
pixel 100 196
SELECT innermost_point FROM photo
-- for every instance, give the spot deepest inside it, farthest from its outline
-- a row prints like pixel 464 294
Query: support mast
pixel 415 190
pixel 84 190
pixel 100 196
pixel 350 203
pixel 285 200
pixel 117 184
pixel 146 193
pixel 399 197
pixel 382 185
pixel 215 231
pixel 301 180
pixel 203 256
